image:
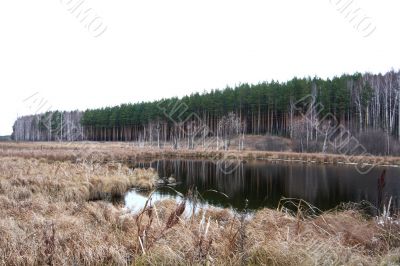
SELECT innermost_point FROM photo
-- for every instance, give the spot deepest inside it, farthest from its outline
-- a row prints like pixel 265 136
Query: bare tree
pixel 229 126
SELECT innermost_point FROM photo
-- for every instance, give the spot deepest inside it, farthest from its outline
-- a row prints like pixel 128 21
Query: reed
pixel 123 152
pixel 48 216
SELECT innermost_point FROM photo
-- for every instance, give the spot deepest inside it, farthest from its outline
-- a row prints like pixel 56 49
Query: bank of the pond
pixel 123 151
pixel 47 216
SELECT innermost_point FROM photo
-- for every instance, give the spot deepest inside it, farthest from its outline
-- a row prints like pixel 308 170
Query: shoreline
pixel 58 213
pixel 122 151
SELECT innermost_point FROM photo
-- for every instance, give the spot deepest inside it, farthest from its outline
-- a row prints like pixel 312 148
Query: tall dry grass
pixel 123 151
pixel 48 216
pixel 47 213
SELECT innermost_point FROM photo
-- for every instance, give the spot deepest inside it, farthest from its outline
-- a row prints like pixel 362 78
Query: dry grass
pixel 125 151
pixel 48 216
pixel 268 238
pixel 47 213
pixel 71 181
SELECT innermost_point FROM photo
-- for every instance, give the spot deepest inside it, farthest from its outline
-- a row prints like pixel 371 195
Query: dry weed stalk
pixel 33 192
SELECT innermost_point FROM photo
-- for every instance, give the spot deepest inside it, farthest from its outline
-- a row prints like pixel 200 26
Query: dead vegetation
pixel 48 216
pixel 96 152
pixel 71 181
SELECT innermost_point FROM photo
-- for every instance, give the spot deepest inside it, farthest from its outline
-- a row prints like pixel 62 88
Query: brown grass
pixel 47 216
pixel 90 152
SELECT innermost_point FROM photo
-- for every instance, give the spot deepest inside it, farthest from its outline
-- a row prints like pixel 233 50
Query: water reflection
pixel 263 184
pixel 135 200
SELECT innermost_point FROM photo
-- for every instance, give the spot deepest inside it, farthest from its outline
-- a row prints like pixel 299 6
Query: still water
pixel 255 185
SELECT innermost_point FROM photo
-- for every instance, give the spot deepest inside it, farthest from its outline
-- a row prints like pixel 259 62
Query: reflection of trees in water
pixel 263 184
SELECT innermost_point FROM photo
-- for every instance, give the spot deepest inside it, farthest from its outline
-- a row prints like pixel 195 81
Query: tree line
pixel 363 103
pixel 49 126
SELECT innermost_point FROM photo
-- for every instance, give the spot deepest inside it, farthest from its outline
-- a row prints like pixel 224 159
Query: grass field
pixel 56 207
pixel 123 151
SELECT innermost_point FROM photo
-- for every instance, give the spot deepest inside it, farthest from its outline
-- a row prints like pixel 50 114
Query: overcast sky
pixel 130 51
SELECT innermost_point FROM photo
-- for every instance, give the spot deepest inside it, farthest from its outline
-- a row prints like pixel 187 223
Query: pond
pixel 260 184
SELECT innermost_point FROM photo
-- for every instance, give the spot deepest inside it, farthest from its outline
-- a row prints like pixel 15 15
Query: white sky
pixel 153 49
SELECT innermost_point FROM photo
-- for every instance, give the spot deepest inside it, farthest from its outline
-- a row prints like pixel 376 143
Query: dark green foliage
pixel 361 103
pixel 334 94
pixel 244 97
